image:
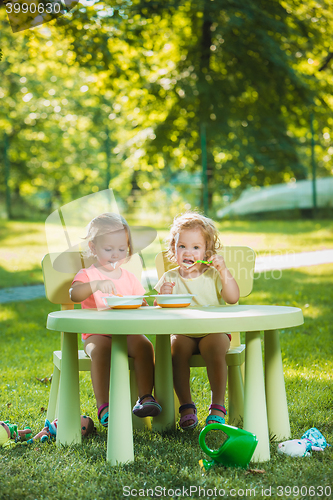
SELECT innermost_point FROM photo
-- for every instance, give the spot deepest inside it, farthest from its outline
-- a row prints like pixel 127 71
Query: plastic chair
pixel 240 261
pixel 57 285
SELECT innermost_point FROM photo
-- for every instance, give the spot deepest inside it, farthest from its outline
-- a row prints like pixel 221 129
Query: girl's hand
pixel 218 263
pixel 106 286
pixel 144 302
pixel 167 287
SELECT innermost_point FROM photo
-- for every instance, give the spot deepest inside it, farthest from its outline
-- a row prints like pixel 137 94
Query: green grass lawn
pixel 170 460
pixel 23 244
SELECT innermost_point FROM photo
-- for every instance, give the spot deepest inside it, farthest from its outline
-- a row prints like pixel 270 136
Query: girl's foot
pixel 188 416
pixel 217 414
pixel 103 414
pixel 147 406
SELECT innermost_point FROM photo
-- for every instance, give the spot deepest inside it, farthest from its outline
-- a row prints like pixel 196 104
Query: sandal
pixel 148 409
pixel 104 420
pixel 216 418
pixel 189 416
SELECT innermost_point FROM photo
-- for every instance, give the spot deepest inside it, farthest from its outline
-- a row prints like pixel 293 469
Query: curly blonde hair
pixel 193 220
pixel 104 224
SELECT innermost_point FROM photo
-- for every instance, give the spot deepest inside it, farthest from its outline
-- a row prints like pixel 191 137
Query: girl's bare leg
pixel 142 352
pixel 98 348
pixel 182 348
pixel 213 349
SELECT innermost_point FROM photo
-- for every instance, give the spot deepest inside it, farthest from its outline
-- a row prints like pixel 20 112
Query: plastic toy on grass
pixel 50 429
pixel 10 432
pixel 312 440
pixel 236 451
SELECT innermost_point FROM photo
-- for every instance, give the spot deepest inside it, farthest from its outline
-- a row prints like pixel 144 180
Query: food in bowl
pixel 174 299
pixel 124 302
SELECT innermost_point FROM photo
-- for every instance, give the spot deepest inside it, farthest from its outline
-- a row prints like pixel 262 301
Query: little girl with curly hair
pixel 194 238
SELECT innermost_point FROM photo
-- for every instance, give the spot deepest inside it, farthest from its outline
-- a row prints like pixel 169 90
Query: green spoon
pixel 198 262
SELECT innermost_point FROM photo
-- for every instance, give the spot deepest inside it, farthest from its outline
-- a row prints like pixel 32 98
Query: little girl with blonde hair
pixel 194 238
pixel 109 240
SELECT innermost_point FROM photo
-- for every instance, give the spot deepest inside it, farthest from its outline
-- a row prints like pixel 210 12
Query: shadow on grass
pixel 310 400
pixel 20 228
pixel 306 288
pixel 33 276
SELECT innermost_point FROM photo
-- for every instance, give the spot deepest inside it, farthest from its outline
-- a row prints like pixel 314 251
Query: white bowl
pixel 174 299
pixel 125 302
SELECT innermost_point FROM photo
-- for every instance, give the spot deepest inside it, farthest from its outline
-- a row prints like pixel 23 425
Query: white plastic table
pixel 265 404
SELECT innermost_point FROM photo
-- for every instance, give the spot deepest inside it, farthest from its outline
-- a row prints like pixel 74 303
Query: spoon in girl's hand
pixel 197 262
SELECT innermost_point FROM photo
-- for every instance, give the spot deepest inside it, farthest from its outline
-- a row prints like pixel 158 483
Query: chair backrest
pixel 239 260
pixel 57 283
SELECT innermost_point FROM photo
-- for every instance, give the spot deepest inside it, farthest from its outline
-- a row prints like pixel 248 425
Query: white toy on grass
pixel 312 440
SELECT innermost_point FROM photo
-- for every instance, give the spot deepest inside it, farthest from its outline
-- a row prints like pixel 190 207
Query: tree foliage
pixel 155 75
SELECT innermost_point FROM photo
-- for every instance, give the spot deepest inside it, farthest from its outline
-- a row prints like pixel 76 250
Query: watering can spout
pixel 236 451
pixel 206 464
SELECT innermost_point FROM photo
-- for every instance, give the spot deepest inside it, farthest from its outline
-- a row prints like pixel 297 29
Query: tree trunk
pixel 7 176
pixel 204 111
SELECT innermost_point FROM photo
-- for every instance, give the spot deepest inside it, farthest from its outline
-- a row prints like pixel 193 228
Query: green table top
pixel 160 321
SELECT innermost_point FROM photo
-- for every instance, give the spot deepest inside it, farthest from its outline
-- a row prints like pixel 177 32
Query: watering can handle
pixel 202 436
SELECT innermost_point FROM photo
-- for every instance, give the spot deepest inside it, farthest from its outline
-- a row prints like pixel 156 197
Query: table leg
pixel 164 384
pixel 235 395
pixel 277 409
pixel 255 414
pixel 69 425
pixel 120 430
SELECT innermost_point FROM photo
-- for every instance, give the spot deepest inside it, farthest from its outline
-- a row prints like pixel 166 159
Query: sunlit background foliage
pixel 129 97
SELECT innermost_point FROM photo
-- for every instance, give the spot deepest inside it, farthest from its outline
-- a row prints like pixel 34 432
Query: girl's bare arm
pixel 81 291
pixel 230 290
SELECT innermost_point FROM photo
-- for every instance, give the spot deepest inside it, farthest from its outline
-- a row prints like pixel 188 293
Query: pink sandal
pixel 190 416
pixel 104 420
pixel 216 418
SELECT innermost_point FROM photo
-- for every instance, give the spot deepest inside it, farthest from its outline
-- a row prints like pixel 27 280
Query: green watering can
pixel 236 451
